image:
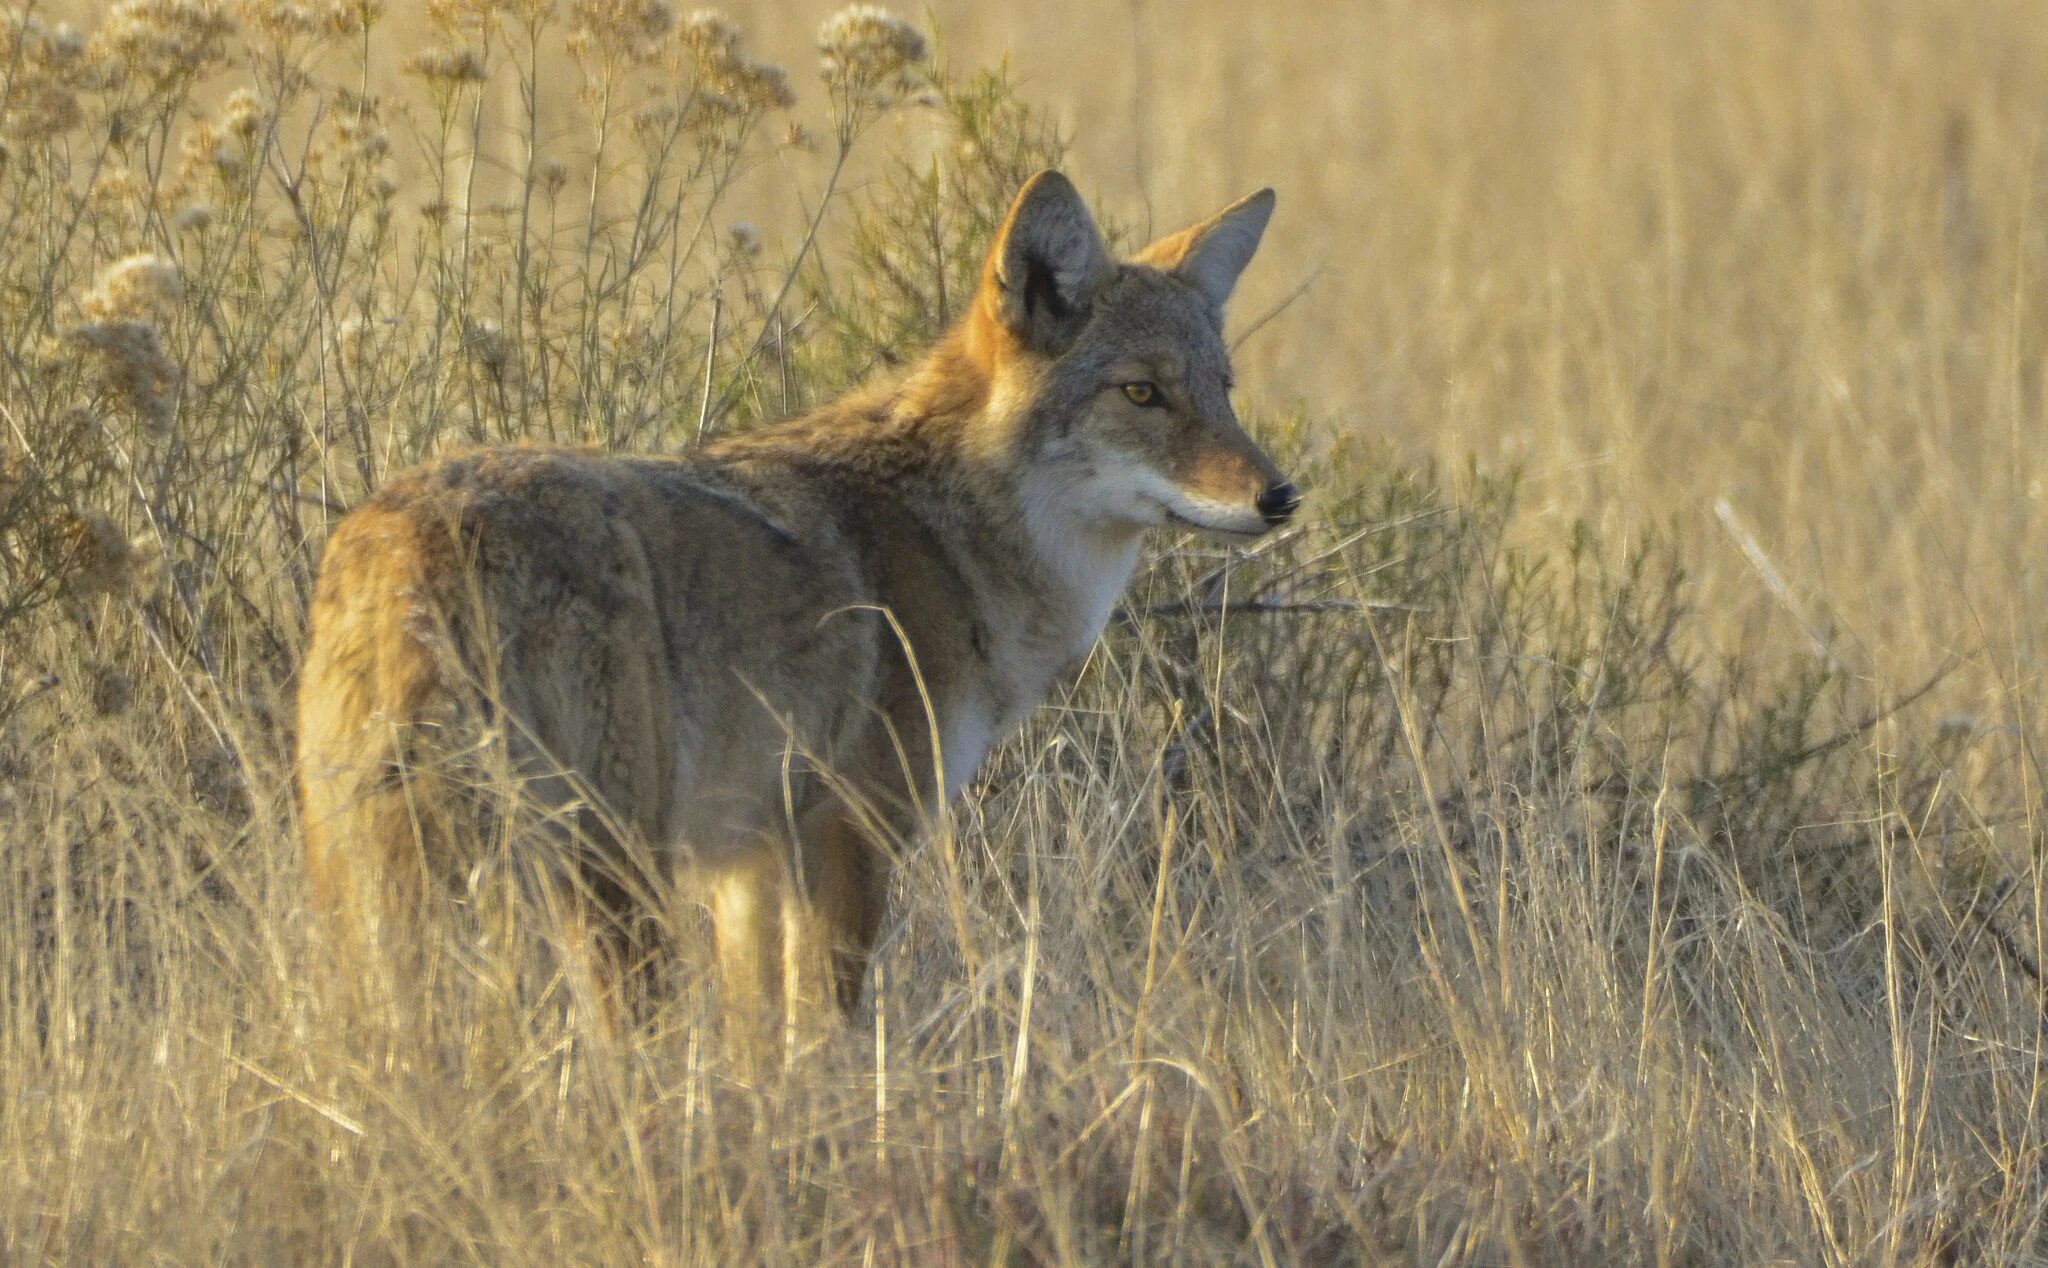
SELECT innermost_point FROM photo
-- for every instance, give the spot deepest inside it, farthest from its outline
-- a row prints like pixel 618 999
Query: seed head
pixel 734 83
pixel 487 345
pixel 65 43
pixel 46 69
pixel 103 561
pixel 363 140
pixel 711 37
pixel 242 116
pixel 119 196
pixel 129 361
pixel 863 45
pixel 283 21
pixel 448 65
pixel 120 340
pixel 625 30
pixel 344 18
pixel 654 119
pixel 196 152
pixel 39 110
pixel 141 287
pixel 165 42
pixel 112 691
pixel 754 85
pixel 474 14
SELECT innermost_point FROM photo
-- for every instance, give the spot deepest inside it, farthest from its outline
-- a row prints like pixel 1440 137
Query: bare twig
pixel 1986 913
pixel 1774 581
pixel 796 265
pixel 710 363
pixel 322 500
pixel 1863 725
pixel 1256 607
pixel 1287 301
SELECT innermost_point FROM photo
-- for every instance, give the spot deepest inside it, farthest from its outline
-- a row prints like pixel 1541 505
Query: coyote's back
pixel 759 668
pixel 569 609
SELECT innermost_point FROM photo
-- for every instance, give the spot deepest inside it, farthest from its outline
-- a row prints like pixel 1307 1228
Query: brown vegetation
pixel 1548 851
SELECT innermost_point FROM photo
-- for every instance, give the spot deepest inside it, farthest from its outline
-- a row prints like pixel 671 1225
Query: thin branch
pixel 710 363
pixel 1986 912
pixel 321 500
pixel 1301 288
pixel 1870 720
pixel 796 264
pixel 1256 607
pixel 1774 581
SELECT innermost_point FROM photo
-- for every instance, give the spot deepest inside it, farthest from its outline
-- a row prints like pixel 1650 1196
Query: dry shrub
pixel 1423 883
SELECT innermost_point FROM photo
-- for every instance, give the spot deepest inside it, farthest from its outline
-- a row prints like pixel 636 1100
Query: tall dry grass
pixel 1603 831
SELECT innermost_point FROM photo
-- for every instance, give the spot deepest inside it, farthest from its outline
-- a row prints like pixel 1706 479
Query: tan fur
pixel 693 653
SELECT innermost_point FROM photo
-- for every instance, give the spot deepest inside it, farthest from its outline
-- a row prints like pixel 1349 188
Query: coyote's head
pixel 1112 378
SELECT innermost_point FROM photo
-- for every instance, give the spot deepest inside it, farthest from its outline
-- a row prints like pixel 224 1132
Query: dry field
pixel 1607 831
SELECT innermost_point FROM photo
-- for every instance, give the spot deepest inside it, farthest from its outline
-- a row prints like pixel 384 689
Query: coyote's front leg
pixel 747 896
pixel 847 878
pixel 788 936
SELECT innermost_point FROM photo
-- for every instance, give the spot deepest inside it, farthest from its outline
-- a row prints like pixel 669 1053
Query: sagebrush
pixel 1433 882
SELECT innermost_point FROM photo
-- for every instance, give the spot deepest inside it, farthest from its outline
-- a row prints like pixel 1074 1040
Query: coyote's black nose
pixel 1278 502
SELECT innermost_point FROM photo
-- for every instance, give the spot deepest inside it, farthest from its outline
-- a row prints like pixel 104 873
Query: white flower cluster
pixel 448 64
pixel 631 30
pixel 865 45
pixel 121 339
pixel 47 67
pixel 163 41
pixel 141 287
pixel 731 81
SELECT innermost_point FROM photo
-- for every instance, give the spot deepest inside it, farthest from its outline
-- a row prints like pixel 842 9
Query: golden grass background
pixel 1787 255
pixel 1783 255
pixel 1542 912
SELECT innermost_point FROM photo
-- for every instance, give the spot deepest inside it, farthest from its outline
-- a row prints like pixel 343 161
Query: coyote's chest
pixel 1040 633
pixel 964 741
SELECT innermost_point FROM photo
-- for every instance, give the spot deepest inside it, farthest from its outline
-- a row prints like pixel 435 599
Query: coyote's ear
pixel 1210 255
pixel 1045 265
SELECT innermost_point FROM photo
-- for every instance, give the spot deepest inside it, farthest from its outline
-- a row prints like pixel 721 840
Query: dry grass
pixel 1553 866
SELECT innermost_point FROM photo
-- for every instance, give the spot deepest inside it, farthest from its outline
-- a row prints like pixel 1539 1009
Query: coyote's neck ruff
pixel 761 665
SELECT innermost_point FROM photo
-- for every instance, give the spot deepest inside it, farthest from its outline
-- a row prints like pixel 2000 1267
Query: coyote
pixel 761 664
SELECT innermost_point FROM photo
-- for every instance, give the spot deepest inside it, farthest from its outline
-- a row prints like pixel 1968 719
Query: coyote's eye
pixel 1146 394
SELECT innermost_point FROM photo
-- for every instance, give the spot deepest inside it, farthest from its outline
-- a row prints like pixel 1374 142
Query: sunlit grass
pixel 1568 866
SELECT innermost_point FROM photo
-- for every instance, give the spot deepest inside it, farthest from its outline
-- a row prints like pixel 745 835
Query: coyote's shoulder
pixel 765 662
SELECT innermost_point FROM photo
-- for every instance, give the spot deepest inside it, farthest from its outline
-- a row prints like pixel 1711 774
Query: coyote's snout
pixel 760 664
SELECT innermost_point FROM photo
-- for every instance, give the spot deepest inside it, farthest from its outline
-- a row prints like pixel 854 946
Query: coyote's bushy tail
pixel 375 713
